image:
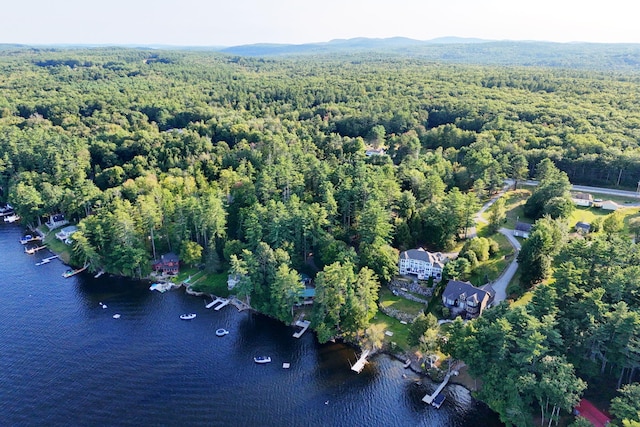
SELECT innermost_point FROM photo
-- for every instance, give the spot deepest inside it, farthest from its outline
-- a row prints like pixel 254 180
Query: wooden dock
pixel 304 324
pixel 220 302
pixel 225 301
pixel 70 273
pixel 214 302
pixel 32 251
pixel 359 365
pixel 429 397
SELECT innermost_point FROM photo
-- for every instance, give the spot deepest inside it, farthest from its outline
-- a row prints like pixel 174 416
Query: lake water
pixel 64 360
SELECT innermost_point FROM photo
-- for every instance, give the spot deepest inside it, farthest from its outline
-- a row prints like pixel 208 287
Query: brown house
pixel 464 298
pixel 168 263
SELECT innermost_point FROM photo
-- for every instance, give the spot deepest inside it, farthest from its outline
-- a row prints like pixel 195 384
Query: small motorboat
pixel 262 359
pixel 221 332
pixel 116 316
pixel 11 218
pixel 438 401
pixel 188 316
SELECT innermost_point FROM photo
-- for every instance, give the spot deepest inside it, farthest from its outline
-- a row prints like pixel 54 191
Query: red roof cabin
pixel 585 409
pixel 168 263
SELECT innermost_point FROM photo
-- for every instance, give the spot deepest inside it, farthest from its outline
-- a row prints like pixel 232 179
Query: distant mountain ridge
pixel 605 56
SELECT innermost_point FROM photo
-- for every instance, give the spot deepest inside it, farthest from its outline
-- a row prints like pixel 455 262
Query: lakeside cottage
pixel 66 233
pixel 168 263
pixel 56 221
pixel 462 298
pixel 422 263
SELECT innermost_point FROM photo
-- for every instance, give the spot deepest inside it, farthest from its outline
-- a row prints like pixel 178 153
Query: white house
pixel 56 221
pixel 66 233
pixel 522 229
pixel 422 263
pixel 582 199
pixel 610 205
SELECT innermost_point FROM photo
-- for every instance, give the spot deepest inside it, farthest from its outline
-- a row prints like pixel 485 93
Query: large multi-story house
pixel 422 263
pixel 464 298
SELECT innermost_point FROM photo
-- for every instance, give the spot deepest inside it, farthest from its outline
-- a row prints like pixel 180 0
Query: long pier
pixel 429 397
pixel 32 251
pixel 359 365
pixel 304 324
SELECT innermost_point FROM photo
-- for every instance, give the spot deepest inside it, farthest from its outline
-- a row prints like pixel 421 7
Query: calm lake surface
pixel 64 360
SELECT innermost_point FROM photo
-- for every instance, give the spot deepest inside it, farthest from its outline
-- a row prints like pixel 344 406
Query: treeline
pixel 264 162
pixel 584 325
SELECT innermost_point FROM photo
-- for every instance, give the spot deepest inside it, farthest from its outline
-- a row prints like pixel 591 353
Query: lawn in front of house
pixel 492 268
pixel 587 214
pixel 400 331
pixel 201 281
pixel 514 207
pixel 388 300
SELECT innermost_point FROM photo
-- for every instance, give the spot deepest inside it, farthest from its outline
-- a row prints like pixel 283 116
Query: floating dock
pixel 214 302
pixel 219 302
pixel 47 260
pixel 304 324
pixel 359 365
pixel 429 398
pixel 32 251
pixel 224 302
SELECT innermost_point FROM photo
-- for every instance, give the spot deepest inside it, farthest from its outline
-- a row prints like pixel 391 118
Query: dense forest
pixel 262 166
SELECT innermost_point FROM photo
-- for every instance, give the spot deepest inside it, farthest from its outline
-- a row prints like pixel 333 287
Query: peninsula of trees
pixel 330 166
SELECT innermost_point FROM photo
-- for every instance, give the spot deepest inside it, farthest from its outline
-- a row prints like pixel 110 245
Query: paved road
pixel 501 283
pixel 587 189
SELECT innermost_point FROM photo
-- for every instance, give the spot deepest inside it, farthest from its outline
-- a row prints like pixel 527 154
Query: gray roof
pixel 422 255
pixel 523 226
pixel 583 225
pixel 582 196
pixel 456 289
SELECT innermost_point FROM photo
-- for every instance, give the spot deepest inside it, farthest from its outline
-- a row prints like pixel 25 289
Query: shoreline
pixel 462 380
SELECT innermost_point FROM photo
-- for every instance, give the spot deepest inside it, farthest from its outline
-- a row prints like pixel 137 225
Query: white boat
pixel 187 316
pixel 11 218
pixel 116 316
pixel 221 332
pixel 262 359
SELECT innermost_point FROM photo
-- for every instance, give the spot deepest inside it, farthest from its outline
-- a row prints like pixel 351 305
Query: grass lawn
pixel 514 207
pixel 400 331
pixel 210 283
pixel 389 300
pixel 492 268
pixel 587 215
pixel 57 246
pixel 523 300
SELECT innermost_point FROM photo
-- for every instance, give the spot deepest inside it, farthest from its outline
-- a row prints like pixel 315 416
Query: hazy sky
pixel 233 22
